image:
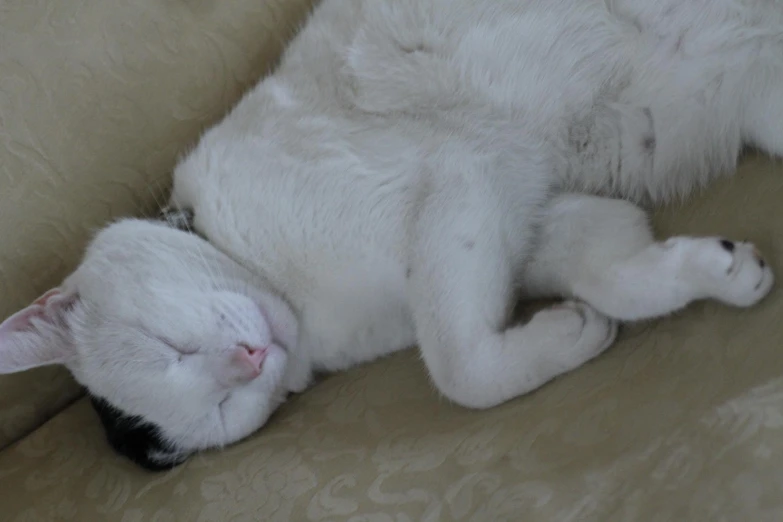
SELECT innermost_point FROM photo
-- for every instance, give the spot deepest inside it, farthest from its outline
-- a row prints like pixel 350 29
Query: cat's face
pixel 179 348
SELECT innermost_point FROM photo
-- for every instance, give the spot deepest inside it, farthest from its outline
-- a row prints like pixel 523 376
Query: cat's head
pixel 180 348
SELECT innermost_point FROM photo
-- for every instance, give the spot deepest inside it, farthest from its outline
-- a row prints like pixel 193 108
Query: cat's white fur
pixel 409 168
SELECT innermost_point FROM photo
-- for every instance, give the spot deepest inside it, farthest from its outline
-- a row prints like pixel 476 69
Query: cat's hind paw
pixel 732 272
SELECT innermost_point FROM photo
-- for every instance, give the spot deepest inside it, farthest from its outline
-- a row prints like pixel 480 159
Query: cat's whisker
pixel 215 273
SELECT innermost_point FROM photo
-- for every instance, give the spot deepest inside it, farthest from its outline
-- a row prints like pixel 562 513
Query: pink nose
pixel 253 357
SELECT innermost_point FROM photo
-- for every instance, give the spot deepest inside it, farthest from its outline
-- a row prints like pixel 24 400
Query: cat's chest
pixel 346 324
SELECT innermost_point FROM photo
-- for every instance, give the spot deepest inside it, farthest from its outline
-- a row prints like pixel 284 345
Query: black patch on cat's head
pixel 136 439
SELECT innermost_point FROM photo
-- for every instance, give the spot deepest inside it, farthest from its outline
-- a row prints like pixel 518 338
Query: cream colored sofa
pixel 681 421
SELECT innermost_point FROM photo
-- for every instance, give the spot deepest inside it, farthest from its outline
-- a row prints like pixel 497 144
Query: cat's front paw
pixel 732 272
pixel 589 333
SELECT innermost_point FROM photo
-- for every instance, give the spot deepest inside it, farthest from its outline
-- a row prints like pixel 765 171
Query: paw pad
pixel 749 276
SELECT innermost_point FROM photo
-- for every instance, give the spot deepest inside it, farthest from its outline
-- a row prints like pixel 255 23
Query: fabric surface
pixel 681 420
pixel 97 99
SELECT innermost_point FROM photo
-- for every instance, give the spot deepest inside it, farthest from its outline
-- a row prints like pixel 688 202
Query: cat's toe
pixel 741 275
pixel 591 332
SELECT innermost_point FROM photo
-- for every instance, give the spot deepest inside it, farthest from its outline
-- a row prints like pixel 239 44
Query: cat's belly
pixel 344 325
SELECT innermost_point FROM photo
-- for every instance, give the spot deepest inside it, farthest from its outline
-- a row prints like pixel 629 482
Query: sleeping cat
pixel 410 169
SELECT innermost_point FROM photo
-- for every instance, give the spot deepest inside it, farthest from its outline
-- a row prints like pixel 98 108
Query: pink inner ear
pixel 21 320
pixel 48 295
pixel 38 334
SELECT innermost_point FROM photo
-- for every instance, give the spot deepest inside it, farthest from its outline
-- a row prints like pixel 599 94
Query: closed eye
pixel 177 348
pixel 180 349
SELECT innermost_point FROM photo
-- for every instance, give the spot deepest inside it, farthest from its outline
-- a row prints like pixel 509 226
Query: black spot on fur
pixel 469 245
pixel 409 272
pixel 136 439
pixel 415 48
pixel 727 245
pixel 649 144
pixel 762 263
pixel 181 219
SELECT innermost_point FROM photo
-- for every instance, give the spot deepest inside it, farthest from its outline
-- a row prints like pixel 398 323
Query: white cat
pixel 411 167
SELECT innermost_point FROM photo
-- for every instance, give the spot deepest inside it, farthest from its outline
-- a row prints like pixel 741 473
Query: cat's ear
pixel 38 335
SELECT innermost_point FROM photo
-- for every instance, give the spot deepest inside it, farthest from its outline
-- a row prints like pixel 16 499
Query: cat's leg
pixel 461 287
pixel 602 251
